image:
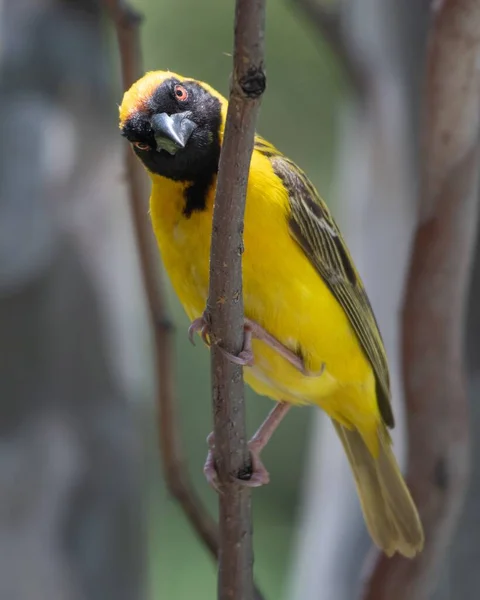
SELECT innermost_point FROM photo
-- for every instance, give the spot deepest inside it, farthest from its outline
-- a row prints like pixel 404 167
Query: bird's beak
pixel 172 132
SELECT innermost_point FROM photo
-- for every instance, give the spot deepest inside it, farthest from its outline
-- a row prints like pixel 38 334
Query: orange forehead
pixel 137 97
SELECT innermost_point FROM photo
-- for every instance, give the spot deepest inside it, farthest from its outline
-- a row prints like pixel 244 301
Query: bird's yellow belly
pixel 287 297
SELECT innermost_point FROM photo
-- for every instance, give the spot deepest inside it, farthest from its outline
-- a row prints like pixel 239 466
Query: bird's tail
pixel 390 513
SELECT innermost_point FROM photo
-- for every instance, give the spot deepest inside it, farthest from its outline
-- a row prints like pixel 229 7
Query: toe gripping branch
pixel 246 357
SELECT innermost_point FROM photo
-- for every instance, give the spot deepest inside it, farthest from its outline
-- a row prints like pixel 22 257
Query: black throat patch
pixel 196 194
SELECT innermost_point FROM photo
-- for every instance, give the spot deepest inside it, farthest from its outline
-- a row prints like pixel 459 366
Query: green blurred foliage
pixel 298 115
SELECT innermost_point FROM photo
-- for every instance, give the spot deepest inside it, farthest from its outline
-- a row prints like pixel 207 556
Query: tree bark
pixel 434 308
pixel 225 304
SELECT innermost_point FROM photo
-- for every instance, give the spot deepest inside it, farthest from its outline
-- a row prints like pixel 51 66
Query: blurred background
pixel 84 511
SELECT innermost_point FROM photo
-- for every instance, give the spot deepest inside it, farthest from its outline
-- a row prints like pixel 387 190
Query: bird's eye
pixel 180 93
pixel 141 146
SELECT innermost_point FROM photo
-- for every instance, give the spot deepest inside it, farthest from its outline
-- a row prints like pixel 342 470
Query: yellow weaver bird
pixel 310 333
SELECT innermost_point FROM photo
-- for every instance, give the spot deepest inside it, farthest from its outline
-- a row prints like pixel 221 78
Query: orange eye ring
pixel 180 93
pixel 141 146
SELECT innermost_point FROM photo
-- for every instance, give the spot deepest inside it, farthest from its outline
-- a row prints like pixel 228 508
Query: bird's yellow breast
pixel 282 292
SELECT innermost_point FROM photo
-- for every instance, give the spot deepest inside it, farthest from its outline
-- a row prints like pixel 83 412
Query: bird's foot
pixel 246 357
pixel 255 477
pixel 202 326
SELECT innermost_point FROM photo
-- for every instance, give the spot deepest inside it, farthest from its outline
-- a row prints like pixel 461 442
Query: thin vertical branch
pixel 225 305
pixel 433 317
pixel 127 22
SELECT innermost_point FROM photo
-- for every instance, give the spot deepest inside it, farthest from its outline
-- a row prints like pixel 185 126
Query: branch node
pixel 254 82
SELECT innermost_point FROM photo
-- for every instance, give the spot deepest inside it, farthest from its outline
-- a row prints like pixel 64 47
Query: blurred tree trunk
pixel 70 524
pixel 461 578
pixel 376 210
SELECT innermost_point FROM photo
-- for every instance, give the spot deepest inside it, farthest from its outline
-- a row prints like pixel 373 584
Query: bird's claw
pixel 257 476
pixel 244 358
pixel 209 469
pixel 201 326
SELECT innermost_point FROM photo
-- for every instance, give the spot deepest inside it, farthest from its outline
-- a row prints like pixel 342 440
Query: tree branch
pixel 127 28
pixel 327 21
pixel 225 305
pixel 433 316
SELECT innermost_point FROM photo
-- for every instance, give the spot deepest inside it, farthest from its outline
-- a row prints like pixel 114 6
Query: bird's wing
pixel 315 230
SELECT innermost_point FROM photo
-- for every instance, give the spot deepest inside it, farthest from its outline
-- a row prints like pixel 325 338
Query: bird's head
pixel 174 124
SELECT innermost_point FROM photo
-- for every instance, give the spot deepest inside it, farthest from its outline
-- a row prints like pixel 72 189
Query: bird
pixel 311 337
